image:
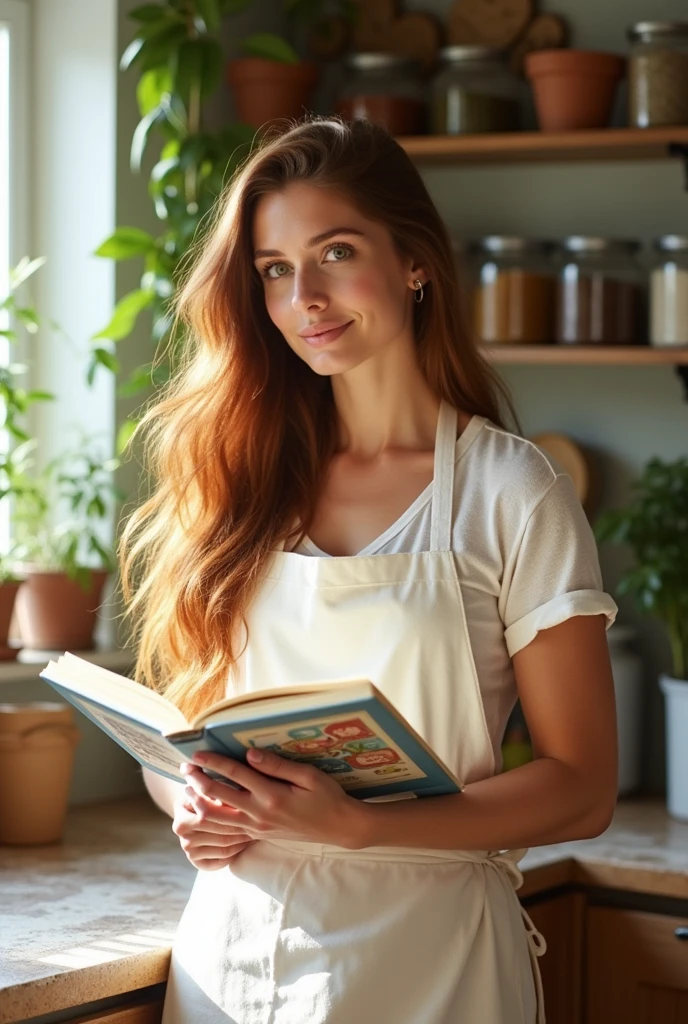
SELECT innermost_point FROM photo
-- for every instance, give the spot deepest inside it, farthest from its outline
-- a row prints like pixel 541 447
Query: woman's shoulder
pixel 506 467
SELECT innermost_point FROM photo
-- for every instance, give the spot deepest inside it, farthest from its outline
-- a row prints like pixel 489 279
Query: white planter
pixel 676 706
pixel 627 669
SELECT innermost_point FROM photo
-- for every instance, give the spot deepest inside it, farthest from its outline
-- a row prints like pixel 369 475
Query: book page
pixel 352 747
pixel 148 747
pixel 118 692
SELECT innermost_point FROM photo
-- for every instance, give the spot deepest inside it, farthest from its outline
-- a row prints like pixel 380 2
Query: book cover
pixel 348 730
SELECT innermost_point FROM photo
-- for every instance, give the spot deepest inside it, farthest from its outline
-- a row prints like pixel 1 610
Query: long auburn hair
pixel 239 442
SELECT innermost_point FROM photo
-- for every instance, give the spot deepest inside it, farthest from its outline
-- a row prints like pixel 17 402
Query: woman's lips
pixel 325 337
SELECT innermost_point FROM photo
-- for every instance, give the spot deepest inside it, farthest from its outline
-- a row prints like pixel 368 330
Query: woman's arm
pixel 566 689
pixel 163 791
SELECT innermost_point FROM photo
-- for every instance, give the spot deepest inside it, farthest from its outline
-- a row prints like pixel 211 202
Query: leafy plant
pixel 654 525
pixel 177 52
pixel 79 477
pixel 49 540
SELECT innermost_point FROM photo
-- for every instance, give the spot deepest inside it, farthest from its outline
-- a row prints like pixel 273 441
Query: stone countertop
pixel 94 916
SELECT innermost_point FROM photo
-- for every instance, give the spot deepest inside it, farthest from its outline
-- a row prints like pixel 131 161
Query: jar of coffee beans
pixel 515 290
pixel 658 74
pixel 600 293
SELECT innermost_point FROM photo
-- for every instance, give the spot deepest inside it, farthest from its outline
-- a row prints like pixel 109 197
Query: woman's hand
pixel 281 799
pixel 208 845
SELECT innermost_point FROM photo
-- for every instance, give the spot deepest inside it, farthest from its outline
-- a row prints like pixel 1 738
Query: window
pixel 14 228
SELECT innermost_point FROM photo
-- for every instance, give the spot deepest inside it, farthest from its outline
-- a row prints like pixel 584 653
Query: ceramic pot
pixel 8 595
pixel 676 708
pixel 53 612
pixel 37 742
pixel 627 669
pixel 265 91
pixel 573 89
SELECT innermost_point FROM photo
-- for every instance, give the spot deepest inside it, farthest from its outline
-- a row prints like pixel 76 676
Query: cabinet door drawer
pixel 149 1012
pixel 561 920
pixel 637 967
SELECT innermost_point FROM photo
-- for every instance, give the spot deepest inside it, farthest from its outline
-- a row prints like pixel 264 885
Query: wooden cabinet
pixel 561 919
pixel 636 967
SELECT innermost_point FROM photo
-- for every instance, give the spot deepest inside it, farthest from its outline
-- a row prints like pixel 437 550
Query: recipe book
pixel 344 727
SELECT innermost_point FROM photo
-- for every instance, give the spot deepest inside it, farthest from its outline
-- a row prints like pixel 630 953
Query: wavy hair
pixel 238 444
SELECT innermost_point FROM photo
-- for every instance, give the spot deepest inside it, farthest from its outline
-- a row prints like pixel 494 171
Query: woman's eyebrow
pixel 316 240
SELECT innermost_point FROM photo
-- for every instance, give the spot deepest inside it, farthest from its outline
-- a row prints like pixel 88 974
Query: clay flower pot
pixel 573 89
pixel 8 594
pixel 53 612
pixel 266 91
pixel 37 741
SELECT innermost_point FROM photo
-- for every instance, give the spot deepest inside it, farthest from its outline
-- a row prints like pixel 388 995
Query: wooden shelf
pixel 586 355
pixel 512 147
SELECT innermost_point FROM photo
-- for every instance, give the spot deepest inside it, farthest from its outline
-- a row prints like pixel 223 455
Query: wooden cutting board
pixel 496 23
pixel 379 27
pixel 575 460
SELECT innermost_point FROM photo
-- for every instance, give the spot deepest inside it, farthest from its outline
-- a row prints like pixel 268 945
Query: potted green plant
pixel 654 525
pixel 270 82
pixel 14 403
pixel 57 548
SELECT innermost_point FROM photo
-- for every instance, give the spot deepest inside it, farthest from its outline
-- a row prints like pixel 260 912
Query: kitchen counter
pixel 94 917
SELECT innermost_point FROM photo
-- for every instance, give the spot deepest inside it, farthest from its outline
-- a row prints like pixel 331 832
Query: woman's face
pixel 334 283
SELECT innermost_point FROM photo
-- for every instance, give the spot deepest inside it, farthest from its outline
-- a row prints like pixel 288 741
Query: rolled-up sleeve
pixel 553 573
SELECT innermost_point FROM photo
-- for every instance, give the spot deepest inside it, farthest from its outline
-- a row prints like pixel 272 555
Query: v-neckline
pixel 462 442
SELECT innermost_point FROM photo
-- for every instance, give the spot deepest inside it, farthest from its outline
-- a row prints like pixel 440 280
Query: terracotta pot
pixel 8 594
pixel 574 89
pixel 55 613
pixel 37 742
pixel 267 90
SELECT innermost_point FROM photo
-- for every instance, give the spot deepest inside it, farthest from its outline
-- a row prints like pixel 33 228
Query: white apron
pixel 307 933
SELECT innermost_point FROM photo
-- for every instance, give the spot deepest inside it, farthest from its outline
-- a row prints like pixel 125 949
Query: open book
pixel 345 727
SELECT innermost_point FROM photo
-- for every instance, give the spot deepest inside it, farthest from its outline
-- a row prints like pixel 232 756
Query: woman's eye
pixel 339 253
pixel 274 270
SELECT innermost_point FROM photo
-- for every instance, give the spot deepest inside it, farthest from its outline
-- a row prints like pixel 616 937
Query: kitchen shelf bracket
pixel 682 371
pixel 680 149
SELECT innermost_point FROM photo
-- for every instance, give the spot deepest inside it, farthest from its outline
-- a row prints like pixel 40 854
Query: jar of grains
pixel 514 298
pixel 386 89
pixel 669 292
pixel 658 73
pixel 474 91
pixel 600 293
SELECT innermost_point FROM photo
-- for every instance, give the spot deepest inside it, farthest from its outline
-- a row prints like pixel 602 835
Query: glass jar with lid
pixel 658 73
pixel 474 91
pixel 386 89
pixel 515 291
pixel 600 293
pixel 669 292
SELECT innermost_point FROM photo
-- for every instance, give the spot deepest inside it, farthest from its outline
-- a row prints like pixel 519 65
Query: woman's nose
pixel 308 293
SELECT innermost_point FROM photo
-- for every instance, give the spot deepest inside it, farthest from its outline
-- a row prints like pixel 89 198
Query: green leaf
pixel 125 243
pixel 125 315
pixel 23 270
pixel 131 53
pixel 188 69
pixel 140 138
pixel 124 435
pixel 213 61
pixel 40 396
pixel 271 47
pixel 209 10
pixel 151 87
pixel 29 317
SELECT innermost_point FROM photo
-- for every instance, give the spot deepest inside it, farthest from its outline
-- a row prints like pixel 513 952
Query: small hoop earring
pixel 419 290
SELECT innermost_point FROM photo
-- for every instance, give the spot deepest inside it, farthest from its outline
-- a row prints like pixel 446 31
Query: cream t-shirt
pixel 525 554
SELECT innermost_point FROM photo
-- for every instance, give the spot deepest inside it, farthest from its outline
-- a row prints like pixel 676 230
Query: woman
pixel 337 496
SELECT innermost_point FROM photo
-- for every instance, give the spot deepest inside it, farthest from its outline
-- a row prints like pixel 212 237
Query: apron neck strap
pixel 443 480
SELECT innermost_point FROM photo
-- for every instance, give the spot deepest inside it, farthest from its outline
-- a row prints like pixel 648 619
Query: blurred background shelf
pixel 586 355
pixel 522 147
